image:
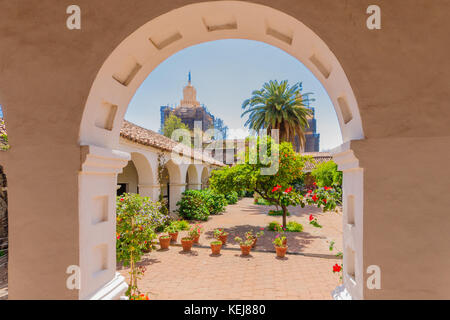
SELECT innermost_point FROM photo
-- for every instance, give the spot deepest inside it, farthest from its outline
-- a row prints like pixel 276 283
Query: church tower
pixel 191 111
pixel 189 95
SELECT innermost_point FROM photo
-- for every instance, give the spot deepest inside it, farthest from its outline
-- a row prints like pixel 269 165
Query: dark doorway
pixel 123 188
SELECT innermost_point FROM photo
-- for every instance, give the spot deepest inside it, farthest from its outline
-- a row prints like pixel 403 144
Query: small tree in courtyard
pixel 276 188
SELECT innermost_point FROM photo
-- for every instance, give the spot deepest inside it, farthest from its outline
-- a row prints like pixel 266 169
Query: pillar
pixel 97 218
pixel 175 189
pixel 150 190
pixel 352 197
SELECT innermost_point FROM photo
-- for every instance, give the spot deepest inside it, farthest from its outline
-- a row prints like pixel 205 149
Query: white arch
pixel 136 57
pixel 143 167
pixel 205 177
pixel 193 177
pixel 175 172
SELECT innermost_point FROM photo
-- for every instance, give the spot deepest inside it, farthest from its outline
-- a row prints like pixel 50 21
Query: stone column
pixel 352 196
pixel 149 190
pixel 176 189
pixel 195 186
pixel 97 223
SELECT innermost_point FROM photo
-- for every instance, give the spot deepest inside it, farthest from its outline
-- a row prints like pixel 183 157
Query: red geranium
pixel 337 268
pixel 276 188
pixel 314 197
pixel 311 217
pixel 288 190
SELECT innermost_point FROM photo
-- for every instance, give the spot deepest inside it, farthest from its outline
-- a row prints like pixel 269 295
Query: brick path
pixel 306 273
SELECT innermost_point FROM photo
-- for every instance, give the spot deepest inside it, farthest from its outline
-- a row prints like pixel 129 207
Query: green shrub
pixel 232 197
pixel 262 202
pixel 293 226
pixel 327 174
pixel 273 225
pixel 215 202
pixel 137 218
pixel 182 225
pixel 193 206
pixel 278 213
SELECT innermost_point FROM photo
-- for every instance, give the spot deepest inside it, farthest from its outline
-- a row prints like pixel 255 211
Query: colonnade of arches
pixel 141 175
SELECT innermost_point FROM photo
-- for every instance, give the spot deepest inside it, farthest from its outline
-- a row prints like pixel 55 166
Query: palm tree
pixel 279 106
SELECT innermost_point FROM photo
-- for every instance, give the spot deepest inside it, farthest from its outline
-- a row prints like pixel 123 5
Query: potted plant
pixel 254 237
pixel 279 228
pixel 172 230
pixel 221 235
pixel 164 241
pixel 246 245
pixel 195 232
pixel 187 243
pixel 280 246
pixel 216 245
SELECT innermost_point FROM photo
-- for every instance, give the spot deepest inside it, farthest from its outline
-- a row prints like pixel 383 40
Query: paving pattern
pixel 305 272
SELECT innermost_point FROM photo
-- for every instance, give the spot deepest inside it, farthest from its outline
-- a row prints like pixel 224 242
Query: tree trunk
pixel 284 215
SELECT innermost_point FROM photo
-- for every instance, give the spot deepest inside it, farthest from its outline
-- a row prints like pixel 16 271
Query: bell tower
pixel 189 95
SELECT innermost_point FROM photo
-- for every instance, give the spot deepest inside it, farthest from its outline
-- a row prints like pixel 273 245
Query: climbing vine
pixel 161 165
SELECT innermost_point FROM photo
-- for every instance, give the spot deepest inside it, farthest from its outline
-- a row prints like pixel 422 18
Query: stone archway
pixel 205 178
pixel 193 177
pixel 136 56
pixel 133 60
pixel 87 77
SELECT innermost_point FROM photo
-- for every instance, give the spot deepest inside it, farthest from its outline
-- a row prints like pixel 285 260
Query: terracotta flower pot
pixel 196 239
pixel 187 244
pixel 281 251
pixel 223 238
pixel 245 250
pixel 174 236
pixel 215 248
pixel 164 242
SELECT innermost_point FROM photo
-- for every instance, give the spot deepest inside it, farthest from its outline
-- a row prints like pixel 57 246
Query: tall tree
pixel 279 106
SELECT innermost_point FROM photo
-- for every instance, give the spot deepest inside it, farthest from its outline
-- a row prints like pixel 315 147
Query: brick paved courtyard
pixel 305 273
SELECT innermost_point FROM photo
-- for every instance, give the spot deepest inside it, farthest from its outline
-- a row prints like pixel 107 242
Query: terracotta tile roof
pixel 318 157
pixel 148 137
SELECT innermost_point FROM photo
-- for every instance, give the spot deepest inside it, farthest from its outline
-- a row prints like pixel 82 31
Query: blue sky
pixel 225 72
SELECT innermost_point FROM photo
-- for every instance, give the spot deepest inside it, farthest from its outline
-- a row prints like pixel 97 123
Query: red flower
pixel 324 200
pixel 121 199
pixel 314 183
pixel 309 191
pixel 311 218
pixel 337 268
pixel 288 190
pixel 276 188
pixel 314 197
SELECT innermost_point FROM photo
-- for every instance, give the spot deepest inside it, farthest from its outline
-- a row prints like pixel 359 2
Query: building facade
pixel 312 138
pixel 190 111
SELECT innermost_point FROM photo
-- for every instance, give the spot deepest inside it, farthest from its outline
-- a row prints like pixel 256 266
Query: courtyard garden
pixel 219 234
